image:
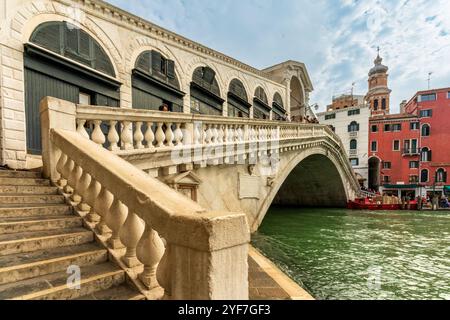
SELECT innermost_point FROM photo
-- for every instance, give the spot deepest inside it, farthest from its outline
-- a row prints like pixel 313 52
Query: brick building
pixel 409 153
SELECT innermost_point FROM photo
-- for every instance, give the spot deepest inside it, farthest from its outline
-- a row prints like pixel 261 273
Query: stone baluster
pixel 208 134
pixel 163 274
pixel 126 136
pixel 130 234
pixel 150 251
pixel 113 136
pixel 149 136
pixel 97 135
pixel 138 136
pixel 169 135
pixel 160 136
pixel 81 129
pixel 74 178
pixel 102 207
pixel 81 187
pixel 62 182
pixel 178 134
pixel 68 167
pixel 220 134
pixel 197 133
pixel 216 133
pixel 91 195
pixel 115 220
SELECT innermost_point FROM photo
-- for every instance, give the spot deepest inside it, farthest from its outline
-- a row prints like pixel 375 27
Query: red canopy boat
pixel 371 204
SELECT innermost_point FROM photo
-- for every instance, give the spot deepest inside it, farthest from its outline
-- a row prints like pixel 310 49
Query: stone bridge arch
pixel 316 167
pixel 312 178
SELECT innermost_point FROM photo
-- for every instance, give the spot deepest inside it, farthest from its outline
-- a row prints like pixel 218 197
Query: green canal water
pixel 344 254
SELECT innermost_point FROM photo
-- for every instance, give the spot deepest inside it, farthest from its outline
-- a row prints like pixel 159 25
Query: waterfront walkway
pixel 267 281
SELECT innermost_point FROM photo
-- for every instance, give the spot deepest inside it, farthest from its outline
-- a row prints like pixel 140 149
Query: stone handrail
pixel 165 131
pixel 205 253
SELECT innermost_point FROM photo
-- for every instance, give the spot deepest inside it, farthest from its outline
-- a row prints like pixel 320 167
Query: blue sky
pixel 336 39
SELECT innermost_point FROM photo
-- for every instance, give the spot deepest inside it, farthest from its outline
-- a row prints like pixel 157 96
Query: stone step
pixel 21 266
pixel 31 199
pixel 55 286
pixel 28 189
pixel 25 224
pixel 40 240
pixel 122 292
pixel 24 181
pixel 20 174
pixel 18 210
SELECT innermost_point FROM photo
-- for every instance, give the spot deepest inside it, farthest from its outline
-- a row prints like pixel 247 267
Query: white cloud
pixel 336 40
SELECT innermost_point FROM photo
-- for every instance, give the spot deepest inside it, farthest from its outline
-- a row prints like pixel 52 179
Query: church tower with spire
pixel 378 96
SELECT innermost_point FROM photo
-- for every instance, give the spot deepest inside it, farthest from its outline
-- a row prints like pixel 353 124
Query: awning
pixel 401 186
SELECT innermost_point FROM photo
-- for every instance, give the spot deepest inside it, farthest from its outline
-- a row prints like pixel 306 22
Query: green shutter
pixel 170 69
pixel 156 61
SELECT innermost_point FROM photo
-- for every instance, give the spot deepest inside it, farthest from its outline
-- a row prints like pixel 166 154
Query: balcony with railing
pixel 411 151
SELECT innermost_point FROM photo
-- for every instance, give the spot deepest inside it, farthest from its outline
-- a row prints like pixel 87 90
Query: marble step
pixel 55 286
pixel 122 292
pixel 31 199
pixel 40 240
pixel 21 266
pixel 20 174
pixel 28 190
pixel 26 224
pixel 24 181
pixel 19 210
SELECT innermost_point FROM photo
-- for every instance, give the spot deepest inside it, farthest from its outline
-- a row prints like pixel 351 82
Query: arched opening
pixel 374 173
pixel 155 83
pixel 279 112
pixel 261 106
pixel 205 92
pixel 424 176
pixel 297 99
pixel 425 155
pixel 353 126
pixel 238 105
pixel 441 175
pixel 65 62
pixel 426 130
pixel 353 144
pixel 314 182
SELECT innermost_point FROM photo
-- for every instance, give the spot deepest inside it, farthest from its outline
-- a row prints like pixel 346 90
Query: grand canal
pixel 342 254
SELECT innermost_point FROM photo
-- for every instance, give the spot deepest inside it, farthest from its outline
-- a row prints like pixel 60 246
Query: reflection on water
pixel 343 254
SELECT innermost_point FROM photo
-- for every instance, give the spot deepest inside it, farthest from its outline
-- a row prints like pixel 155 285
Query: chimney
pixel 402 106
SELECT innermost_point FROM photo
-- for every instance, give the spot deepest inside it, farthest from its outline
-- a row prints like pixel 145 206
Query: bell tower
pixel 378 96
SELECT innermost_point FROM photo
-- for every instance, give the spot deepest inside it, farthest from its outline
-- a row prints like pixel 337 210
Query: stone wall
pixel 124 37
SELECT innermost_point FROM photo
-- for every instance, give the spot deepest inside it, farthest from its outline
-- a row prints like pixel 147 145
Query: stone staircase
pixel 41 236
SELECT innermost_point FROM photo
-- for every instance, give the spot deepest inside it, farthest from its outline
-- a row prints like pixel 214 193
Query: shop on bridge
pixel 155 83
pixel 278 111
pixel 238 105
pixel 205 93
pixel 261 108
pixel 65 62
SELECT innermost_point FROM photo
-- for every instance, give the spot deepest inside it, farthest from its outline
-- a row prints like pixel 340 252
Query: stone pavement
pixel 268 282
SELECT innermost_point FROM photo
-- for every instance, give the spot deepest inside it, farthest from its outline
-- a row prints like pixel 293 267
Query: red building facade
pixel 409 153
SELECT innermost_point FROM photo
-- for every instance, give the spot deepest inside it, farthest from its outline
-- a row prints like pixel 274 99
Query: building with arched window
pixel 93 53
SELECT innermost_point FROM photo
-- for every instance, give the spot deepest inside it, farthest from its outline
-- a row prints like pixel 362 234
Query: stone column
pixel 206 260
pixel 55 114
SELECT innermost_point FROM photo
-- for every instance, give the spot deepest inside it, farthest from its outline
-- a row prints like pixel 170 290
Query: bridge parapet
pixel 158 142
pixel 205 252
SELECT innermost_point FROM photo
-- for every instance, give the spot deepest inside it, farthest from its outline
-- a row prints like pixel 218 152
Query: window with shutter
pixel 170 69
pixel 85 45
pixel 70 41
pixel 156 61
